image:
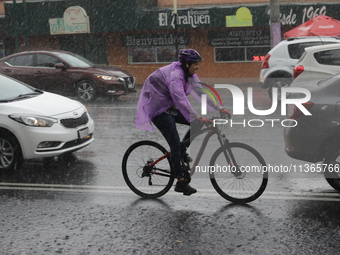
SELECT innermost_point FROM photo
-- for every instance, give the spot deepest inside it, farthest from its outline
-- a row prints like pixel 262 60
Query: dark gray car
pixel 316 137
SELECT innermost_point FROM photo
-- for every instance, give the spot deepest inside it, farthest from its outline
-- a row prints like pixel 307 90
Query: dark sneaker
pixel 185 188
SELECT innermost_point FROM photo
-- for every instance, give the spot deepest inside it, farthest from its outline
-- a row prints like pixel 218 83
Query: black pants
pixel 166 123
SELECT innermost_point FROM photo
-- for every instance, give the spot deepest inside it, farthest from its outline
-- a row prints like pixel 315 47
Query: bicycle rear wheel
pixel 143 176
pixel 243 185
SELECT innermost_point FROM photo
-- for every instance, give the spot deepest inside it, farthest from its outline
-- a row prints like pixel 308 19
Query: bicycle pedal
pixel 187 159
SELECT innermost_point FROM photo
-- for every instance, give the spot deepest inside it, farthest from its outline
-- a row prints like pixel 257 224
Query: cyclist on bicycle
pixel 163 101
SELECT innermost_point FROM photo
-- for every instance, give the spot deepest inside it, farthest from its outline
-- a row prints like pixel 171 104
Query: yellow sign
pixel 243 18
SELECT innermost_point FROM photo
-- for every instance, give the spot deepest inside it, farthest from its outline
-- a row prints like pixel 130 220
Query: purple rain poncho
pixel 164 88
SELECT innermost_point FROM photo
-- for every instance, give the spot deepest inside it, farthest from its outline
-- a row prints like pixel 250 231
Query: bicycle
pixel 236 170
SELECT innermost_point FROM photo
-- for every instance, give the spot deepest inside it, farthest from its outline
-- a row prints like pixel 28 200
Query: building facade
pixel 142 35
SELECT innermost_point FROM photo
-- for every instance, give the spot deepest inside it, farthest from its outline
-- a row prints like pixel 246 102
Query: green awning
pixel 32 17
pixel 237 16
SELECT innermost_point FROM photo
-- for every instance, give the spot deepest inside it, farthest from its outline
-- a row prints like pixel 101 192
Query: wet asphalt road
pixel 82 205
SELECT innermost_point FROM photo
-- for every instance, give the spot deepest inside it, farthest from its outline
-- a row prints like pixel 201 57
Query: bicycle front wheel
pixel 241 181
pixel 143 176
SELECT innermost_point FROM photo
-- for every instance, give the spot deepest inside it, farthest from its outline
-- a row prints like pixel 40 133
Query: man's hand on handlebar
pixel 209 122
pixel 225 113
pixel 205 121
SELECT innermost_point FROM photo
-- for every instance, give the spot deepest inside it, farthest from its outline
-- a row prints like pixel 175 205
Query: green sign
pixel 238 16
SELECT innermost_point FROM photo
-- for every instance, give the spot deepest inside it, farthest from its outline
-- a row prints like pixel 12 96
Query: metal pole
pixel 176 27
pixel 16 35
pixel 275 25
pixel 27 45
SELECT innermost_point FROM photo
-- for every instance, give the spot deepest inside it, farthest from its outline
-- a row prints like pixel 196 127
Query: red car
pixel 67 73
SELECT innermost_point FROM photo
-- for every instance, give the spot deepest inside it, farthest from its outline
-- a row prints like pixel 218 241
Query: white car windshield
pixel 11 89
pixel 75 60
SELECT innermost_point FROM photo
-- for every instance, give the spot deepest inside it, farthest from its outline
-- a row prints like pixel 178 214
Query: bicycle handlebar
pixel 224 116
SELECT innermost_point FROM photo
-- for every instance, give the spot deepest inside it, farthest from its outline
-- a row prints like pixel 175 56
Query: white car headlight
pixel 34 120
pixel 107 77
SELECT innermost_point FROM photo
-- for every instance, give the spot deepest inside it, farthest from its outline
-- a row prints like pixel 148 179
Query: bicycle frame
pixel 211 131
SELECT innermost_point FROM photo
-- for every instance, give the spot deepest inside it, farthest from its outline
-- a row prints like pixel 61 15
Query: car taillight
pixel 297 71
pixel 294 112
pixel 265 63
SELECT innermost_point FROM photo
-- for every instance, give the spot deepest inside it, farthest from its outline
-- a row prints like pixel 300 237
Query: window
pixel 160 54
pixel 142 55
pixel 229 54
pixel 44 60
pixel 256 53
pixel 328 57
pixel 240 54
pixel 295 50
pixel 22 60
pixel 75 60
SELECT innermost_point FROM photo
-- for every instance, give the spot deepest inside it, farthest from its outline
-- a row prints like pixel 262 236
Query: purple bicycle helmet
pixel 189 56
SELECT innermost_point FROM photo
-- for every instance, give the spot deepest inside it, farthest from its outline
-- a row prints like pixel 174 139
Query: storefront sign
pixel 232 16
pixel 246 37
pixel 155 40
pixel 297 15
pixel 75 21
pixel 192 18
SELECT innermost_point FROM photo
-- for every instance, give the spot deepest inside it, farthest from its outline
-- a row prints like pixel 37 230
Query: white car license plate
pixel 83 133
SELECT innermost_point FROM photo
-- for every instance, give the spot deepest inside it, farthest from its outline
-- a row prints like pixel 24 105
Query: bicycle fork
pixel 228 154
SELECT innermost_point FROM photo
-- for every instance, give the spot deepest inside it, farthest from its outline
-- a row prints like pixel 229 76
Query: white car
pixel 38 124
pixel 318 62
pixel 278 64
